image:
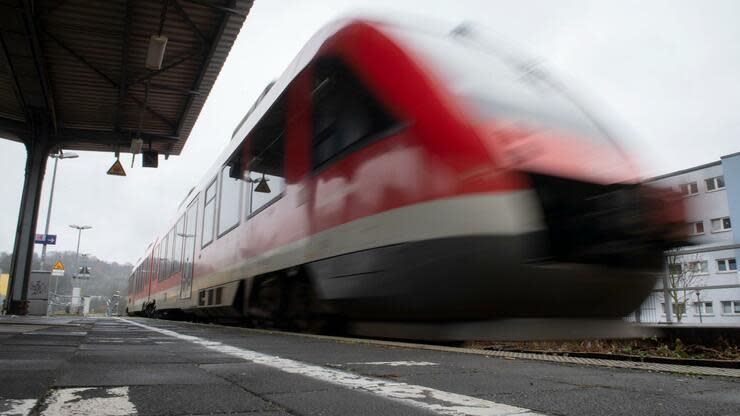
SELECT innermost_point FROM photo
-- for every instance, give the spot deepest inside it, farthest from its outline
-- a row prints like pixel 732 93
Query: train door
pixel 191 221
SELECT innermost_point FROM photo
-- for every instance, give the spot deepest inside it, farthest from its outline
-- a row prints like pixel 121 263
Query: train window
pixel 261 195
pixel 162 269
pixel 150 272
pixel 209 214
pixel 229 198
pixel 178 233
pixel 346 116
pixel 155 261
pixel 188 236
pixel 163 258
pixel 260 162
pixel 170 251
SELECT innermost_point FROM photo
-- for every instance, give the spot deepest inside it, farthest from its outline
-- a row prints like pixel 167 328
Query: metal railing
pixel 715 302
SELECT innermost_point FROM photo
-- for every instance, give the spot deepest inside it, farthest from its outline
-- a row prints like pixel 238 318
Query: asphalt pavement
pixel 116 366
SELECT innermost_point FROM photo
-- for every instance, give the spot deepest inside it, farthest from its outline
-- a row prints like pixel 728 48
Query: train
pixel 395 173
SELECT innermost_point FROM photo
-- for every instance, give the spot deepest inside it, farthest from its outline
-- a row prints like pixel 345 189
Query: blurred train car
pixel 395 174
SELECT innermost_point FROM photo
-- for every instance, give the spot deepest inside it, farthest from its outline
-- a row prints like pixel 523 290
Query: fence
pixel 710 296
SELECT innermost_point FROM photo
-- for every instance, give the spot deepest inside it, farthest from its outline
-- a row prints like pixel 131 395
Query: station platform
pixel 126 366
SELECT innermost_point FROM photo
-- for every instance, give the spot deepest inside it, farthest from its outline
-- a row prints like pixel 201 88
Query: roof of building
pixel 77 69
pixel 682 171
pixel 730 155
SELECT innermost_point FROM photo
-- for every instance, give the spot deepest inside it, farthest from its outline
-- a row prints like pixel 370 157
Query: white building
pixel 706 271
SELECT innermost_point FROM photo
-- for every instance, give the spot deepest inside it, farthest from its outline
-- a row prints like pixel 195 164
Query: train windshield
pixel 498 87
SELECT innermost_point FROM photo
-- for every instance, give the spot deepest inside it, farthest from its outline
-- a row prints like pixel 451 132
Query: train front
pixel 597 245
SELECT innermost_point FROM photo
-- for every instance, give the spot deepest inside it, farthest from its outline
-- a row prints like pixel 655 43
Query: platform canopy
pixel 103 75
pixel 75 71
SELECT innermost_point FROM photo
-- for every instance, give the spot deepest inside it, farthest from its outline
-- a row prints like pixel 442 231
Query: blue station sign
pixel 50 239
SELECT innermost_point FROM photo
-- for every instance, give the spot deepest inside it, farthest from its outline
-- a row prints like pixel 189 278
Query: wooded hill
pixel 105 277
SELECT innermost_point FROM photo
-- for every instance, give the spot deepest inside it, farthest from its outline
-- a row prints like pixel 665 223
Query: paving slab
pixel 536 385
pixel 75 374
pixel 264 380
pixel 25 384
pixel 138 356
pixel 29 364
pixel 333 403
pixel 195 399
pixel 53 340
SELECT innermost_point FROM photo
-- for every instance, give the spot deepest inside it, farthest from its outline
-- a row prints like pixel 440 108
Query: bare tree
pixel 684 272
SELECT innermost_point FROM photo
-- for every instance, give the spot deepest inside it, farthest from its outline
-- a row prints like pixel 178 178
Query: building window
pixel 676 308
pixel 208 214
pixel 687 189
pixel 716 183
pixel 705 308
pixel 730 307
pixel 696 228
pixel 698 267
pixel 228 207
pixel 721 224
pixel 727 265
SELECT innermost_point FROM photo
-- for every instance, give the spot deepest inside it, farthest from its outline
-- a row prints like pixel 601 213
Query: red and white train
pixel 396 174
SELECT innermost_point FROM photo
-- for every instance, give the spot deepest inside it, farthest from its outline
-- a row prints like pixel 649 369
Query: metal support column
pixel 20 267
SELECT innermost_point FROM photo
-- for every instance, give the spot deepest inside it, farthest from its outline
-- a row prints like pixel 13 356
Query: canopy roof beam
pixel 38 60
pixel 230 10
pixel 11 70
pixel 124 65
pixel 110 80
pixel 203 39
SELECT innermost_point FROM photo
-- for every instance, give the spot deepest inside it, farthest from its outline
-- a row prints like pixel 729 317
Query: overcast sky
pixel 666 71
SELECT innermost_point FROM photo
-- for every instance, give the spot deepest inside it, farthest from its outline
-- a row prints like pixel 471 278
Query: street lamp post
pixel 56 157
pixel 699 305
pixel 85 276
pixel 79 229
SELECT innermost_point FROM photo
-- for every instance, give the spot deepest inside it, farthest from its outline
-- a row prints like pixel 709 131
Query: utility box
pixel 38 292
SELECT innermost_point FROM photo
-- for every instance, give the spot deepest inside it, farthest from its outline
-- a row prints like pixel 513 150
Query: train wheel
pixel 287 301
pixel 151 310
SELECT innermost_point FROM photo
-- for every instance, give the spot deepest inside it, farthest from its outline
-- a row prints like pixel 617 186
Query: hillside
pixel 105 277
